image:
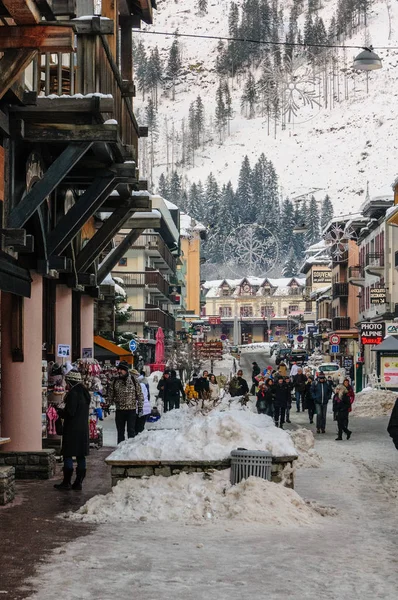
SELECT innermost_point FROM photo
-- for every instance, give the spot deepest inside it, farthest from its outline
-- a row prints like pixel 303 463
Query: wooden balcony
pixel 153 280
pixel 340 290
pixel 90 69
pixel 153 317
pixel 154 245
pixel 375 264
pixel 341 323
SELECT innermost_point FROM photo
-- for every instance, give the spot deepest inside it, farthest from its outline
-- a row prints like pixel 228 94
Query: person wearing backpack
pixel 126 393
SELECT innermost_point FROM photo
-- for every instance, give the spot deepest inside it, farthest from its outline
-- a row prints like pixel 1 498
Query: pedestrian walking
pixel 294 369
pixel 393 425
pixel 281 399
pixel 214 388
pixel 282 369
pixel 350 391
pixel 261 395
pixel 321 393
pixel 255 372
pixel 146 407
pixel 299 388
pixel 202 386
pixel 173 391
pixel 161 388
pixel 290 385
pixel 341 408
pixel 126 393
pixel 309 400
pixel 238 385
pixel 75 437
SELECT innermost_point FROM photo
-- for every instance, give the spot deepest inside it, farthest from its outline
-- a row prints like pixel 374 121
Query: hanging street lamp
pixel 367 60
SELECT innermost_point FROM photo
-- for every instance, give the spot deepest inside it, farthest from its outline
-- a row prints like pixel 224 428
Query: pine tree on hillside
pixel 313 5
pixel 326 211
pixel 220 116
pixel 313 234
pixel 285 230
pixel 229 113
pixel 309 34
pixel 140 67
pixel 228 210
pixel 175 189
pixel 200 120
pixel 154 71
pixel 264 186
pixel 174 63
pixel 195 201
pixel 290 267
pixel 163 186
pixel 202 7
pixel 246 209
pixel 152 122
pixel 249 96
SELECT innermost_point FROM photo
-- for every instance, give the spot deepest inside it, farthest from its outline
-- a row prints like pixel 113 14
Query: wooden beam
pixel 141 203
pixel 43 188
pixel 66 105
pixel 103 236
pixel 23 13
pixel 61 132
pixel 45 7
pixel 12 64
pixel 46 38
pixel 4 124
pixel 71 223
pixel 64 8
pixel 117 253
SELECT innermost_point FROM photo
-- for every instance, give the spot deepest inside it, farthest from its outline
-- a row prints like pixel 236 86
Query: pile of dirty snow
pixel 304 441
pixel 198 498
pixel 211 437
pixel 373 403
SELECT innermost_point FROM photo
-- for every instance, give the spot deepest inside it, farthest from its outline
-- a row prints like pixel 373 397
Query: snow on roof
pixel 281 285
pixel 77 96
pixel 188 225
pixel 170 205
pixel 120 291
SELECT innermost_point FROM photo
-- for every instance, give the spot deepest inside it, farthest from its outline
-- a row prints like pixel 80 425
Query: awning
pixel 13 278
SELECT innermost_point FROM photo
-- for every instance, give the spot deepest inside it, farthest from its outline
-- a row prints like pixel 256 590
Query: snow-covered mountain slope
pixel 337 149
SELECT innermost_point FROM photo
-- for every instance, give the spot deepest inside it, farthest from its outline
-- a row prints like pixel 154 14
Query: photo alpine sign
pixel 372 333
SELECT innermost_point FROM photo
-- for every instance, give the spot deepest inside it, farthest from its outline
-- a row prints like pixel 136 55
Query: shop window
pixel 293 308
pixel 267 311
pixel 122 262
pixel 246 311
pixel 225 311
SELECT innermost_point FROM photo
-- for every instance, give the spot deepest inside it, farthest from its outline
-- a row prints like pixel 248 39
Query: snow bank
pixel 256 347
pixel 304 441
pixel 198 498
pixel 373 403
pixel 210 437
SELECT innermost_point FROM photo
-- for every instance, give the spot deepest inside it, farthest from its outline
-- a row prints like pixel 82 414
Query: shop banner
pixel 372 333
pixel 377 295
pixel 321 277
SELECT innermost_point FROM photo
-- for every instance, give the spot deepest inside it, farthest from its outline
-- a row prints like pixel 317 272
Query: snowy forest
pixel 224 209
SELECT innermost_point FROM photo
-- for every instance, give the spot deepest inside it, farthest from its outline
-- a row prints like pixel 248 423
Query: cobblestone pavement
pixel 29 527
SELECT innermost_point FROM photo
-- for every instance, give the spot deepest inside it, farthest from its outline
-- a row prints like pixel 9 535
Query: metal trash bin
pixel 250 463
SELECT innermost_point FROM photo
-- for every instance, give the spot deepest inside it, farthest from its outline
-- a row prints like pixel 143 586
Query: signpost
pixel 372 333
pixel 133 345
pixel 335 349
pixel 300 338
pixel 334 339
pixel 63 351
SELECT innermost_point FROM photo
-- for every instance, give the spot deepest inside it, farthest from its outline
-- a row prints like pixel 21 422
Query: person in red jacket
pixel 350 391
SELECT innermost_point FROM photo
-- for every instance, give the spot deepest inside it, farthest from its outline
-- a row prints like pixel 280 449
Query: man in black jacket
pixel 239 385
pixel 299 388
pixel 172 391
pixel 202 386
pixel 281 399
pixel 393 425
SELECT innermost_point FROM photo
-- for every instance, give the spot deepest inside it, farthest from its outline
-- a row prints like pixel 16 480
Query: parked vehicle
pixel 282 355
pixel 333 369
pixel 298 356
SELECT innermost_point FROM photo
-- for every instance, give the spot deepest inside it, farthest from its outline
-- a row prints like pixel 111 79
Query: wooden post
pixel 110 10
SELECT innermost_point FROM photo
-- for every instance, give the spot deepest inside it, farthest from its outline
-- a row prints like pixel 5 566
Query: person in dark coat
pixel 341 408
pixel 270 396
pixel 281 399
pixel 161 388
pixel 288 381
pixel 173 389
pixel 299 387
pixel 261 395
pixel 309 400
pixel 393 425
pixel 75 440
pixel 321 393
pixel 239 387
pixel 202 386
pixel 255 371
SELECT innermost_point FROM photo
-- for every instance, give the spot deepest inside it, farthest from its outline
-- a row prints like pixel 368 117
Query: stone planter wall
pixel 282 468
pixel 7 485
pixel 30 465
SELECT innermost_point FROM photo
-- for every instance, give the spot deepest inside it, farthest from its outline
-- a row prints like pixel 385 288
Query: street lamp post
pixel 367 60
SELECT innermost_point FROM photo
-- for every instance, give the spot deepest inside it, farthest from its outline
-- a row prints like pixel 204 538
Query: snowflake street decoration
pixel 293 87
pixel 337 239
pixel 251 249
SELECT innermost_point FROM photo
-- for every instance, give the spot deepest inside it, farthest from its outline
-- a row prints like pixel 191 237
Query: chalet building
pixel 254 309
pixel 68 151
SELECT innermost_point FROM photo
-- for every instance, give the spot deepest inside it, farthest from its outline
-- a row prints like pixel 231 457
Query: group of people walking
pixel 276 391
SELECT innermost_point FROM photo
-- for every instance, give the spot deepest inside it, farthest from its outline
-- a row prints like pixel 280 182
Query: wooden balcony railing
pixel 89 69
pixel 375 259
pixel 341 323
pixel 155 317
pixel 340 290
pixel 151 279
pixel 356 272
pixel 155 242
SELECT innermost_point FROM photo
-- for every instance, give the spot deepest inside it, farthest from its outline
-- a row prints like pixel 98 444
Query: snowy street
pixel 349 555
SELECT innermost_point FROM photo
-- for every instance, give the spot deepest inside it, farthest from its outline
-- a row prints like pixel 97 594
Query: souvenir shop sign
pixel 63 351
pixel 322 276
pixel 372 333
pixel 209 349
pixel 214 320
pixel 87 353
pixel 377 295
